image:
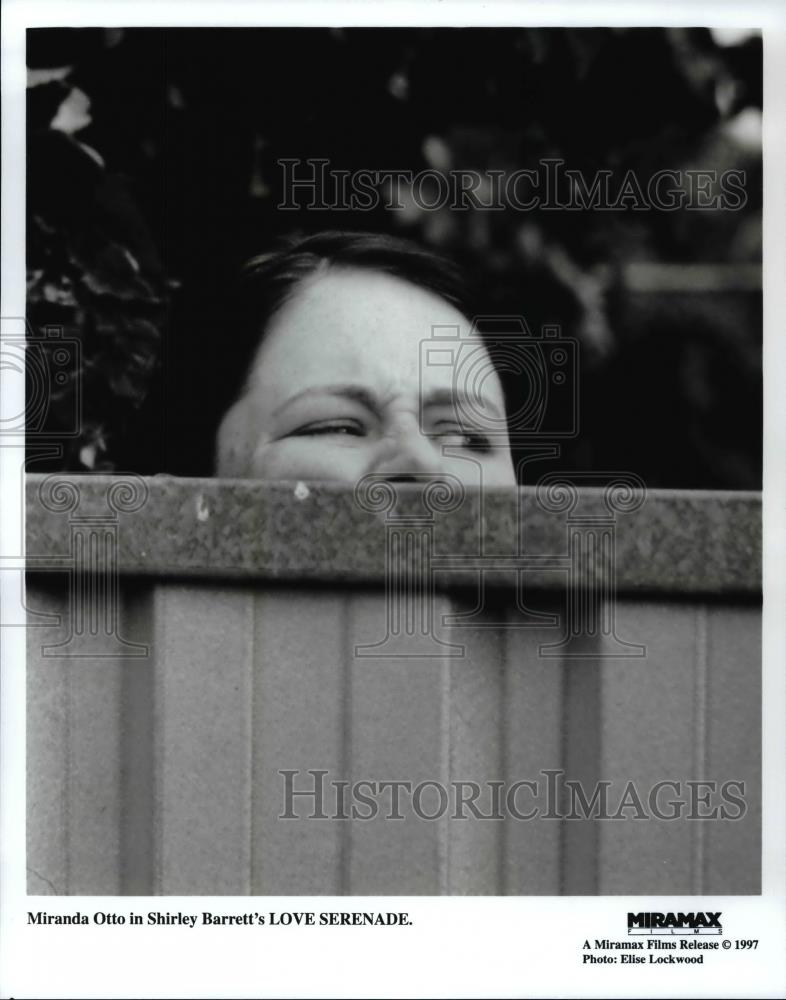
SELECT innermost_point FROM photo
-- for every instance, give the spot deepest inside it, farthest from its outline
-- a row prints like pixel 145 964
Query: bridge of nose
pixel 406 449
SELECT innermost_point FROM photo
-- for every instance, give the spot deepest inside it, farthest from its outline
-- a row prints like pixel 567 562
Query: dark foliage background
pixel 152 176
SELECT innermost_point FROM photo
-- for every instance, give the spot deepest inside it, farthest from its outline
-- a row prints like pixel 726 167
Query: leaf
pixel 73 113
pixel 36 77
pixel 111 269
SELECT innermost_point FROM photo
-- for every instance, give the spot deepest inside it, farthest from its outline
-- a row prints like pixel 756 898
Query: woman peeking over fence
pixel 366 362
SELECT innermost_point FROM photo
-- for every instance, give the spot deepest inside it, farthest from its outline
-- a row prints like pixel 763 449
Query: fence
pixel 197 648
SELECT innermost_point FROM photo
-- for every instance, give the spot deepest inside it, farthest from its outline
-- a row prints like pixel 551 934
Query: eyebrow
pixel 447 397
pixel 360 394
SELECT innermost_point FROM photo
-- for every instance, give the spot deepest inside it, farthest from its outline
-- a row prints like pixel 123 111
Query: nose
pixel 406 456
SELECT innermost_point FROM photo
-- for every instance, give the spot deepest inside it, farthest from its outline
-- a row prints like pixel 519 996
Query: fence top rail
pixel 676 542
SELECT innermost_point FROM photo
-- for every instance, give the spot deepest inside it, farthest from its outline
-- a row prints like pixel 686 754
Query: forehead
pixel 353 324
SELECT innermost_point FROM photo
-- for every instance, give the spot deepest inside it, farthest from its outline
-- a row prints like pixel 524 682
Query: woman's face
pixel 337 391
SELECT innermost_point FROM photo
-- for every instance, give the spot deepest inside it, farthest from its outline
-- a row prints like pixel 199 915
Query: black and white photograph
pixel 386 453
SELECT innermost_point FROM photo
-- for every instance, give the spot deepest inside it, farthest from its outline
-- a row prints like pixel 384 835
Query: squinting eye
pixel 471 440
pixel 327 427
pixel 477 442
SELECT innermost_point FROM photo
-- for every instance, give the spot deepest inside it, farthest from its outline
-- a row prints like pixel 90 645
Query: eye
pixel 456 436
pixel 324 428
pixel 476 442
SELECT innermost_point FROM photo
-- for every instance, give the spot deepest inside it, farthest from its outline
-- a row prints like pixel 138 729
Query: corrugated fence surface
pixel 200 650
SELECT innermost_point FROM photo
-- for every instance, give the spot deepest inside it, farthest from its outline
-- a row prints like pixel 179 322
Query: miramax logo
pixel 675 923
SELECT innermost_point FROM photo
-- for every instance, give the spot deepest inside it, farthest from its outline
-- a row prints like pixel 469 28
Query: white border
pixel 458 947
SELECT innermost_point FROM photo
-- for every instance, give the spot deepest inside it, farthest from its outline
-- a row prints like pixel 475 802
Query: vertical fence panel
pixel 95 792
pixel 477 734
pixel 76 747
pixel 203 646
pixel 732 849
pixel 533 744
pixel 300 666
pixel 137 744
pixel 648 734
pixel 397 725
pixel 48 751
pixel 583 765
